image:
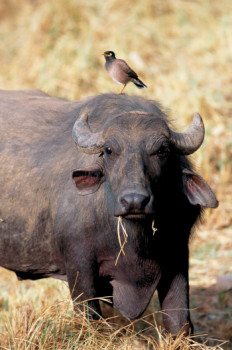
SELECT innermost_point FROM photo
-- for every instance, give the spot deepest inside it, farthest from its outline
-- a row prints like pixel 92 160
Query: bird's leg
pixel 122 89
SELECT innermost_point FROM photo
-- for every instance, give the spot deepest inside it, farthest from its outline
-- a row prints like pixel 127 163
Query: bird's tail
pixel 139 84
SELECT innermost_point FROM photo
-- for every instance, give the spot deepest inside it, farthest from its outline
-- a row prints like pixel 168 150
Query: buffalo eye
pixel 108 150
pixel 162 152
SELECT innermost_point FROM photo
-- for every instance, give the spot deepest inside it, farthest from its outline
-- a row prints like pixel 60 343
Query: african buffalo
pixel 61 201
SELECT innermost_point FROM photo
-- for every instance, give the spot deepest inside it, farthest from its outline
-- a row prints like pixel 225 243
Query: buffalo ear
pixel 197 190
pixel 88 180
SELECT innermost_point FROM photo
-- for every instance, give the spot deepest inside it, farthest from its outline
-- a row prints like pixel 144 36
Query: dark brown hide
pixel 59 207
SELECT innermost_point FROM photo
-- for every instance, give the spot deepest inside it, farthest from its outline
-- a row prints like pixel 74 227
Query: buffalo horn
pixel 85 139
pixel 190 140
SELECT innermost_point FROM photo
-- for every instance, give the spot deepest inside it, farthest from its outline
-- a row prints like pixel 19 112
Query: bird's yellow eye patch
pixel 106 54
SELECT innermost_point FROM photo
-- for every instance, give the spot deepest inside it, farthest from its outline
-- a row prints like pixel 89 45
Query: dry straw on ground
pixel 56 327
pixel 182 50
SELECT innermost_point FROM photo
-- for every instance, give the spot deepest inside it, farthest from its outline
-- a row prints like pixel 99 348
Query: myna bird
pixel 120 72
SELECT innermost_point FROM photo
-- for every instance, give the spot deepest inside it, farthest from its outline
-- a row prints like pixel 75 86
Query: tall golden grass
pixel 183 51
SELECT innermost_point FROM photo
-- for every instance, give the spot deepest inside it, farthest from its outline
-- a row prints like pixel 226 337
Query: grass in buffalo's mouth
pixel 121 227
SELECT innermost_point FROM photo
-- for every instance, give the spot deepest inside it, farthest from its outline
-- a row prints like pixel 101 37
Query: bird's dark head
pixel 109 55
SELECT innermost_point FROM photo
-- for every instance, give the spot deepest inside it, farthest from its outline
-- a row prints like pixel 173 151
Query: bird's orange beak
pixel 103 54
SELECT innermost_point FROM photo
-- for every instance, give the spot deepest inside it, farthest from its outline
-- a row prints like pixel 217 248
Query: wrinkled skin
pixel 59 207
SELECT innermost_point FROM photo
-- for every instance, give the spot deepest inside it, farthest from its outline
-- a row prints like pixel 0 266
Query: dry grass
pixel 25 325
pixel 182 50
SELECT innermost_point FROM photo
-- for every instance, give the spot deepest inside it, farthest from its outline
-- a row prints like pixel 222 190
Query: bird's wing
pixel 127 69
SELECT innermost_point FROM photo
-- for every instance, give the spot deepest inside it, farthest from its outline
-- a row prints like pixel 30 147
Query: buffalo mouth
pixel 134 216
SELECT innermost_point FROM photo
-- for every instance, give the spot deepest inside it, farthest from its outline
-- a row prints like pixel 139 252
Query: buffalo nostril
pixel 134 201
pixel 124 201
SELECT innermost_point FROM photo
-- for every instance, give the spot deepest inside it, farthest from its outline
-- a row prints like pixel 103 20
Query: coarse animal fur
pixel 59 207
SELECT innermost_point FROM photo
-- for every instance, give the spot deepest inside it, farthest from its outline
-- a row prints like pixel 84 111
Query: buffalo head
pixel 137 151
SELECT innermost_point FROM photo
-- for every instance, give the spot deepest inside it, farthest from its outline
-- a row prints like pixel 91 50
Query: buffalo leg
pixel 173 292
pixel 83 291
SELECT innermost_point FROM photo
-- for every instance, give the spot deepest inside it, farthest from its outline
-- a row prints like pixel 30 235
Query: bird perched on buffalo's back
pixel 120 72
